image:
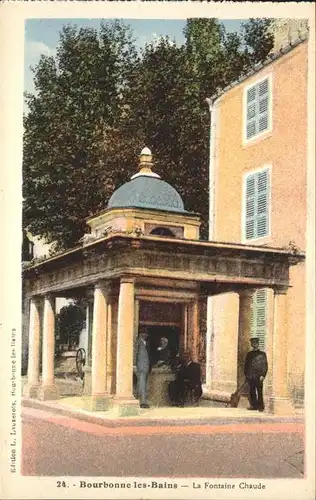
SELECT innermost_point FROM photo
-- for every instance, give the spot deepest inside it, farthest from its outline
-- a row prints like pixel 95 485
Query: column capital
pixel 280 290
pixel 102 285
pixel 49 296
pixel 89 293
pixel 127 279
pixel 36 299
pixel 246 293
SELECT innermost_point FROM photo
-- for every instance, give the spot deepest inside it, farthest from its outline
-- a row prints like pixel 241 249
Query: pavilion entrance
pixel 163 320
pixel 171 333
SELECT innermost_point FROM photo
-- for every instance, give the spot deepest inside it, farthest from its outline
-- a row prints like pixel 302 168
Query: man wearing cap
pixel 255 369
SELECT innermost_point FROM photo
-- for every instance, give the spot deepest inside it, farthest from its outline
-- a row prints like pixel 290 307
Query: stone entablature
pixel 204 262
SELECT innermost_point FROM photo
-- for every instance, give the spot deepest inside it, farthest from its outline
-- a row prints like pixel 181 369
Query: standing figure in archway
pixel 142 368
pixel 256 367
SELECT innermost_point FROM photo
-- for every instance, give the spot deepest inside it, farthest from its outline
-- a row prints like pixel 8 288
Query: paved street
pixel 57 445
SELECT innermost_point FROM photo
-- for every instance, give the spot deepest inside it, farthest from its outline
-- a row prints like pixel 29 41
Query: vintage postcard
pixel 158 270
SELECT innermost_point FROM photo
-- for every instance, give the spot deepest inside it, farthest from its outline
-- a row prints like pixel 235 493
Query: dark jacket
pixel 256 365
pixel 163 356
pixel 190 373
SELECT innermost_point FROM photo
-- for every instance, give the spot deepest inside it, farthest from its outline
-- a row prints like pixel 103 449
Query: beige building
pixel 258 176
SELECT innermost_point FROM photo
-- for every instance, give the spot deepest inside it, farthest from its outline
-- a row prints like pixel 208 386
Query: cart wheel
pixel 80 361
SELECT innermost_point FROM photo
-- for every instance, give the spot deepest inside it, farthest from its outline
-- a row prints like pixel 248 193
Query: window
pixel 257 195
pixel 259 316
pixel 162 231
pixel 257 109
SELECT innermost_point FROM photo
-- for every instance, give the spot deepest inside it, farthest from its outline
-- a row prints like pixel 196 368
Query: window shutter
pixel 257 205
pixel 262 203
pixel 250 207
pixel 257 115
pixel 251 112
pixel 259 316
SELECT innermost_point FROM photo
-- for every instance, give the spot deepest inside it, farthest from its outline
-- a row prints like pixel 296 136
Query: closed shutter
pixel 257 114
pixel 251 111
pixel 257 205
pixel 262 214
pixel 259 316
pixel 250 206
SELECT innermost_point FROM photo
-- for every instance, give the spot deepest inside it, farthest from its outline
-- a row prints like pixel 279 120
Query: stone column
pixel 99 399
pixel 210 351
pixel 25 333
pixel 194 309
pixel 48 389
pixel 280 403
pixel 244 334
pixel 136 319
pixel 109 348
pixel 202 334
pixel 31 388
pixel 136 330
pixel 88 348
pixel 125 402
pixel 86 340
pixel 184 338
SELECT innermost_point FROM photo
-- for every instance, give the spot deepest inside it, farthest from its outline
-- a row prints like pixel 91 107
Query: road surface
pixel 56 445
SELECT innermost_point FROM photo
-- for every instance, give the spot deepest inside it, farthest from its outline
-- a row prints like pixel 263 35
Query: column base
pixel 125 407
pixel 47 392
pixel 100 402
pixel 281 406
pixel 31 390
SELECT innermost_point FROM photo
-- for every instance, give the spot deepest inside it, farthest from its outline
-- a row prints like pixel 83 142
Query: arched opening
pixel 162 231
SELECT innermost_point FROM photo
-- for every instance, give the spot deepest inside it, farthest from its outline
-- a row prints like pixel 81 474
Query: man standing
pixel 142 368
pixel 255 369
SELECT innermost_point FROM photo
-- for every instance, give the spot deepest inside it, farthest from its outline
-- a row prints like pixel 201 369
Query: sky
pixel 42 35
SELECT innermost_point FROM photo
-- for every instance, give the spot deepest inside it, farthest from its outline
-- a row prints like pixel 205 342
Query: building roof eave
pixel 258 67
pixel 168 244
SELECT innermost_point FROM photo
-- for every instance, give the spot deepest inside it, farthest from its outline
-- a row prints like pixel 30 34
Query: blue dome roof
pixel 147 192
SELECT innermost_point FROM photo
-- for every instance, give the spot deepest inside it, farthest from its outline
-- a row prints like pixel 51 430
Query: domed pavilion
pixel 141 264
pixel 146 205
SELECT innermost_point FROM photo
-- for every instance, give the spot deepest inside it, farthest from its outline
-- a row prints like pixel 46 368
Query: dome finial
pixel 145 159
pixel 145 164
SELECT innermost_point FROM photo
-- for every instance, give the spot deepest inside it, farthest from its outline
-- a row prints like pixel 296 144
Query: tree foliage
pixel 99 101
pixel 69 323
pixel 67 174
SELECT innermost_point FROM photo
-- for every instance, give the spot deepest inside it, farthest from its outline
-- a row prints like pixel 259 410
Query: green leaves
pixel 69 323
pixel 258 40
pixel 65 167
pixel 99 101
